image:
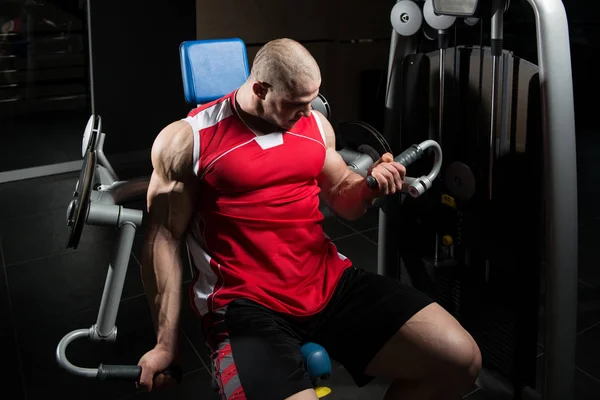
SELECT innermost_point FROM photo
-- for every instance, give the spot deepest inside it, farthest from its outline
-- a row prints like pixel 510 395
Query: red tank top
pixel 257 231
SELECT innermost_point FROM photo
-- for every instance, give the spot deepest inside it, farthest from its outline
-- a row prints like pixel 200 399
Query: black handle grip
pixel 119 372
pixel 372 182
pixel 407 157
pixel 133 373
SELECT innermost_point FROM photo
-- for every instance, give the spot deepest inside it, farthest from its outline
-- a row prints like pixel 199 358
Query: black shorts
pixel 256 352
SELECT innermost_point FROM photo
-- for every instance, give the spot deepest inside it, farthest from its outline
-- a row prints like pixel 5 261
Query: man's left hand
pixel 389 175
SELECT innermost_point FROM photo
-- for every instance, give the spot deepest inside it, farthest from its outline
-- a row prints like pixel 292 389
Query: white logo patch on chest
pixel 271 140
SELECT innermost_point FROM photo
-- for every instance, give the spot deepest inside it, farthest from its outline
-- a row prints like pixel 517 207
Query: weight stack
pixel 491 280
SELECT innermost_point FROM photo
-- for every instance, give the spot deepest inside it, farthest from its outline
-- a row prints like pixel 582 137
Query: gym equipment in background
pixel 497 211
pixel 97 201
pixel 406 17
pixel 321 105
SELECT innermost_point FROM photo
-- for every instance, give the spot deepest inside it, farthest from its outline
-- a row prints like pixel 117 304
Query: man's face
pixel 283 108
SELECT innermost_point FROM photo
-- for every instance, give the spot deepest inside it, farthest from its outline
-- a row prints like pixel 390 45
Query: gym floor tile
pixel 10 367
pixel 589 237
pixel 588 176
pixel 191 326
pixel 194 386
pixel 588 310
pixel 6 322
pixel 476 394
pixel 44 289
pixel 587 387
pixel 343 387
pixel 37 196
pixel 588 351
pixel 588 307
pixel 372 235
pixel 33 237
pixel 135 336
pixel 588 210
pixel 335 229
pixel 368 221
pixel 361 251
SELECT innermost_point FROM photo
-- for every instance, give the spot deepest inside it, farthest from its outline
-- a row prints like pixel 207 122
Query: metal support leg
pixel 115 279
pixel 497 54
pixel 560 190
pixel 388 258
pixel 127 220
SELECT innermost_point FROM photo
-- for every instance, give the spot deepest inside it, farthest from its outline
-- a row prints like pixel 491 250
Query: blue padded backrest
pixel 212 68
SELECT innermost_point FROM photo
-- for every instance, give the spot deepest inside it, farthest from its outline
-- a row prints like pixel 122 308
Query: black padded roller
pixel 132 373
pixel 119 372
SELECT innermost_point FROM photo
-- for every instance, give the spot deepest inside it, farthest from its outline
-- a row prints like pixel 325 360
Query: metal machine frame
pixel 559 185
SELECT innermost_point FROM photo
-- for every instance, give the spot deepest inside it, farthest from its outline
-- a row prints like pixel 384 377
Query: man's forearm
pixel 161 274
pixel 351 198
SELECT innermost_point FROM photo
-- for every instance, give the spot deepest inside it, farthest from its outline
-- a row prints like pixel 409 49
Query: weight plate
pixel 460 181
pixel 78 208
pixel 356 134
pixel 87 134
pixel 90 134
pixel 321 104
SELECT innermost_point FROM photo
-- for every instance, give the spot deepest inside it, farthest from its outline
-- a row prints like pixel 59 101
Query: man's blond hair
pixel 284 63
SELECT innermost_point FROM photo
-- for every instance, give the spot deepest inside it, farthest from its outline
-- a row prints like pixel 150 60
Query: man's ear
pixel 260 89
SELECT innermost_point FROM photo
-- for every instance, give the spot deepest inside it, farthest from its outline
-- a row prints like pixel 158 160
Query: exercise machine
pixel 100 196
pixel 97 200
pixel 498 232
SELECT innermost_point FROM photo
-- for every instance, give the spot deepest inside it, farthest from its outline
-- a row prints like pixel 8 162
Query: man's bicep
pixel 334 169
pixel 173 187
pixel 334 172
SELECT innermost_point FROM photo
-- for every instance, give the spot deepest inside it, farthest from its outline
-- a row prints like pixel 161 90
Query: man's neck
pixel 248 110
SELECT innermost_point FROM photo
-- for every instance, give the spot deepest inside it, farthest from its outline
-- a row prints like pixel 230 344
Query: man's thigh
pixel 430 344
pixel 256 354
pixel 365 313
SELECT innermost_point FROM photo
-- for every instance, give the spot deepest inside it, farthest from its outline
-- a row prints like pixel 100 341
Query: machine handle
pixel 119 372
pixel 132 372
pixel 407 157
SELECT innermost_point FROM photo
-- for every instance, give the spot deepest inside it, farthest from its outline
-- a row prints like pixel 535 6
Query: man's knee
pixel 462 364
pixel 453 373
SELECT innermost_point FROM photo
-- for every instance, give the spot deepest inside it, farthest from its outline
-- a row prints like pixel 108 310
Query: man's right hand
pixel 153 364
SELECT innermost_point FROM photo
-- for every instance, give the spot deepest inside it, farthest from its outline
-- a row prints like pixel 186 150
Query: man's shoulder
pixel 173 147
pixel 218 104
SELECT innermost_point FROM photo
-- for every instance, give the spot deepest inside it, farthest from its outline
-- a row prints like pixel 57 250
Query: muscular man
pixel 241 179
